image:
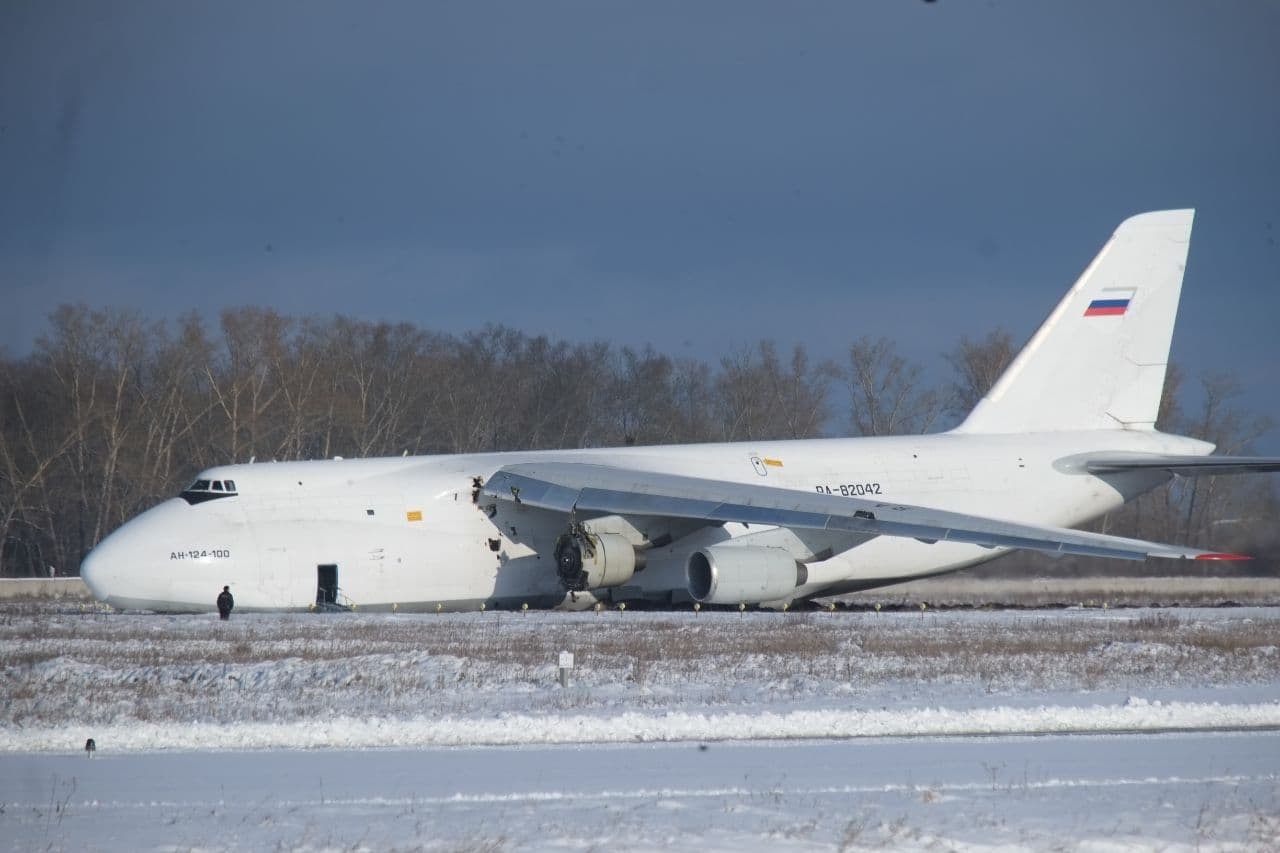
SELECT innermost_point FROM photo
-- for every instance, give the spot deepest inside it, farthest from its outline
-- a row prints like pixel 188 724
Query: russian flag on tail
pixel 1113 302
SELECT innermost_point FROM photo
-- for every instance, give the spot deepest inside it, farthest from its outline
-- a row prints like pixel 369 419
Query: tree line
pixel 112 412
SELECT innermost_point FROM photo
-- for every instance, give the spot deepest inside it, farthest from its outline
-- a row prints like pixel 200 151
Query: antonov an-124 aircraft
pixel 1065 435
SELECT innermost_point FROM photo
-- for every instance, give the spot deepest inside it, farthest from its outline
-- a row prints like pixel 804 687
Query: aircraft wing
pixel 1188 466
pixel 590 490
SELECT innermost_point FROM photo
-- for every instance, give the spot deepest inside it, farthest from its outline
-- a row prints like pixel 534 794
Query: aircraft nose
pixel 169 558
pixel 105 568
pixel 122 570
pixel 93 571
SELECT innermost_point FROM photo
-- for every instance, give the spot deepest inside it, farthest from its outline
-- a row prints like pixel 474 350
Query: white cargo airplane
pixel 1066 434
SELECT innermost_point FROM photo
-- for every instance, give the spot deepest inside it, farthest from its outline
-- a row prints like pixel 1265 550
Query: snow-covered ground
pixel 1081 792
pixel 451 687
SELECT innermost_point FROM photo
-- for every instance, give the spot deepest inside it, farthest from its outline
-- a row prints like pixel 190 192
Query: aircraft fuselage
pixel 414 533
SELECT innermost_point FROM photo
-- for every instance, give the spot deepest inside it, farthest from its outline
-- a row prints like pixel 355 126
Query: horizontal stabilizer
pixel 588 490
pixel 1187 466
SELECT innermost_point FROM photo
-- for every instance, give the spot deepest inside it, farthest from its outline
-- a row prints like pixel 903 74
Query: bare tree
pixel 309 390
pixel 28 456
pixel 644 399
pixel 693 398
pixel 978 364
pixel 94 357
pixel 1211 501
pixel 174 405
pixel 886 396
pixel 244 385
pixel 376 363
pixel 760 399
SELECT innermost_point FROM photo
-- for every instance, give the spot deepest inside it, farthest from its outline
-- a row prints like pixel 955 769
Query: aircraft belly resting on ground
pixel 1065 435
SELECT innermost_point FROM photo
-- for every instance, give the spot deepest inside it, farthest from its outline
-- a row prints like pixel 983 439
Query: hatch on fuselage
pixel 327 585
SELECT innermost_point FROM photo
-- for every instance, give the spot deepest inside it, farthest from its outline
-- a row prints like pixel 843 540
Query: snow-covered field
pixel 470 687
pixel 364 680
pixel 1081 792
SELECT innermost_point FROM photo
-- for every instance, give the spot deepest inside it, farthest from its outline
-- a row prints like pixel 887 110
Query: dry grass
pixel 59 664
pixel 962 590
pixel 496 638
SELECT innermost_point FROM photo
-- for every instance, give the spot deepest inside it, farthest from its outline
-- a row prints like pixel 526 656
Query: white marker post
pixel 566 664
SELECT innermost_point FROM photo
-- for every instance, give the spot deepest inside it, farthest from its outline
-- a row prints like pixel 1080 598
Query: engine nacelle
pixel 593 560
pixel 741 574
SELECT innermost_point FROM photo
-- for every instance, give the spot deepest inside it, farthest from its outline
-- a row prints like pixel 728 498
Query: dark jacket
pixel 225 602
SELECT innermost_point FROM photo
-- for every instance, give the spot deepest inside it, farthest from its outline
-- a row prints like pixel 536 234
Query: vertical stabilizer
pixel 1098 362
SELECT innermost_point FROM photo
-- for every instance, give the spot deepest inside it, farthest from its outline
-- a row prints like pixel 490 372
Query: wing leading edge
pixel 580 488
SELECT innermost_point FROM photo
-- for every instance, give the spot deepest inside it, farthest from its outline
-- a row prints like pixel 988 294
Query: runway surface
pixel 1127 792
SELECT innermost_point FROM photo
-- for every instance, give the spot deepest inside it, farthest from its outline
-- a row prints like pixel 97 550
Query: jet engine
pixel 742 574
pixel 590 560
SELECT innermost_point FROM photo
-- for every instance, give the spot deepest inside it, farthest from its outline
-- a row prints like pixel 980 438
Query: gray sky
pixel 694 175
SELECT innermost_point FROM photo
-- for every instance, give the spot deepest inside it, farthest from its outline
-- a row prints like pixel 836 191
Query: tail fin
pixel 1098 362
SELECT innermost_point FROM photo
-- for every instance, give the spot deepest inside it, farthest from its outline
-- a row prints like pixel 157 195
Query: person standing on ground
pixel 225 603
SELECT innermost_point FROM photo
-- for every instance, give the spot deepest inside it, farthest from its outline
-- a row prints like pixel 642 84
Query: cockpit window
pixel 207 490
